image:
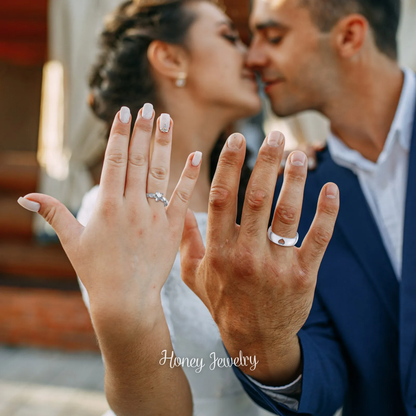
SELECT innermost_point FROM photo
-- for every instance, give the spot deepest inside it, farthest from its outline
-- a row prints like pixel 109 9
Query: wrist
pixel 278 362
pixel 122 321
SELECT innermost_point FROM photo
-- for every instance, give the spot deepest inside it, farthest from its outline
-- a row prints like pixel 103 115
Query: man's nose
pixel 255 56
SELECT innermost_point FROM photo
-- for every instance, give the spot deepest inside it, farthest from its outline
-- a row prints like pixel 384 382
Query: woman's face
pixel 217 75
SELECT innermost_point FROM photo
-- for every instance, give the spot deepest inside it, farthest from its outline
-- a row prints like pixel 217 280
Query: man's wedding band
pixel 282 241
pixel 158 196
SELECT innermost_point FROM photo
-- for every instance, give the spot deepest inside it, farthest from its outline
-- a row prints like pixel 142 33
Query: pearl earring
pixel 181 80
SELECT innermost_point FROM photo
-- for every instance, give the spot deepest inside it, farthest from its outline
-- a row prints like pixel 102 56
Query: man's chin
pixel 283 111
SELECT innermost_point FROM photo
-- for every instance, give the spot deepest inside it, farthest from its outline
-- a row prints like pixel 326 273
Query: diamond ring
pixel 158 196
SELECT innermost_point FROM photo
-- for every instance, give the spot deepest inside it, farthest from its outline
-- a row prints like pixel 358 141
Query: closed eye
pixel 276 40
pixel 232 38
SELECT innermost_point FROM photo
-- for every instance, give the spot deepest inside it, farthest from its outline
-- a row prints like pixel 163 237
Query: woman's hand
pixel 125 253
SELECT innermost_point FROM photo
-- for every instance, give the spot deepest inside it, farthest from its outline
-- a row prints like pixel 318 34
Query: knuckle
pixel 138 160
pixel 303 280
pixel 191 174
pixel 322 237
pixel 183 195
pixel 286 214
pixel 163 140
pixel 116 159
pixel 144 125
pixel 228 160
pixel 50 215
pixel 295 176
pixel 159 173
pixel 219 197
pixel 108 207
pixel 266 157
pixel 257 199
pixel 330 210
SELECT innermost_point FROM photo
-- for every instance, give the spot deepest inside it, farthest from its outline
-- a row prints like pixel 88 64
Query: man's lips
pixel 268 84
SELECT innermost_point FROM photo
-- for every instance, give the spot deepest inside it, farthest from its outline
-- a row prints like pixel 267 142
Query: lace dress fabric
pixel 216 391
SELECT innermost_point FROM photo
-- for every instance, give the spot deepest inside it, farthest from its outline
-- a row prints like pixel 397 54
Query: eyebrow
pixel 229 23
pixel 270 24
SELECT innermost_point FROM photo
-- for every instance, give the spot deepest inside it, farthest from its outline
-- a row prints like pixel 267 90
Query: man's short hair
pixel 382 15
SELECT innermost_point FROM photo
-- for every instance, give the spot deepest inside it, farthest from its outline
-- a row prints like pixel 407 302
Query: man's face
pixel 293 57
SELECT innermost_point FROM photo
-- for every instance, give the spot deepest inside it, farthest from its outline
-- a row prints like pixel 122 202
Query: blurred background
pixel 50 142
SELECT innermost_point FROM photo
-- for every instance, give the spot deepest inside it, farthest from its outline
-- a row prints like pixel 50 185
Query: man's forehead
pixel 269 10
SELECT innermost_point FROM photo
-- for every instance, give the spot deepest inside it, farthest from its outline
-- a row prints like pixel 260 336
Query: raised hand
pixel 124 256
pixel 259 293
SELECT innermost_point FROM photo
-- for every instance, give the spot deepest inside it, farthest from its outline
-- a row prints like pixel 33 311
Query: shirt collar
pixel 401 131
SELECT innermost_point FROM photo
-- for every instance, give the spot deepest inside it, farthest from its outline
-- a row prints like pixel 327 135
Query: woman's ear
pixel 350 34
pixel 167 60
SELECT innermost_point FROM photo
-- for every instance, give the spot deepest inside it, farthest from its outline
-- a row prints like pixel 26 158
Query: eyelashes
pixel 234 39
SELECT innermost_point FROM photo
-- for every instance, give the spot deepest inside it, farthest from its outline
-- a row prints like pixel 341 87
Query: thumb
pixel 192 249
pixel 56 214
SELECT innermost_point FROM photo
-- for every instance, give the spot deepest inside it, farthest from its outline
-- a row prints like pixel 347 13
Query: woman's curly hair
pixel 122 74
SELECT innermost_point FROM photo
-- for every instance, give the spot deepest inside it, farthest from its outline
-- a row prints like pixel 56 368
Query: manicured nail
pixel 298 159
pixel 275 139
pixel 29 205
pixel 147 111
pixel 235 141
pixel 164 123
pixel 331 191
pixel 125 115
pixel 196 160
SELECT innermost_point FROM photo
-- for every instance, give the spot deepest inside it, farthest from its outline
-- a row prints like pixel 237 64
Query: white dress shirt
pixel 384 185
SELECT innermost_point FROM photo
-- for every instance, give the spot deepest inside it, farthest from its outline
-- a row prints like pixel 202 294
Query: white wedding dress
pixel 194 334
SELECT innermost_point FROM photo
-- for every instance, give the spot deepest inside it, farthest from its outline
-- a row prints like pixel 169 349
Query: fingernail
pixel 196 160
pixel 298 159
pixel 275 139
pixel 331 191
pixel 164 123
pixel 311 163
pixel 125 115
pixel 29 205
pixel 235 141
pixel 147 111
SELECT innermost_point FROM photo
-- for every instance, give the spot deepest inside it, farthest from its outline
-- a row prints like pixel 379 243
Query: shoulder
pixel 87 205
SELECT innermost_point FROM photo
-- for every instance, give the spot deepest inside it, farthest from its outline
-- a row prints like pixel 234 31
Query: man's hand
pixel 259 294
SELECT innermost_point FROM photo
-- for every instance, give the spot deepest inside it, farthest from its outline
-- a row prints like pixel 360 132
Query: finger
pixel 311 154
pixel 138 159
pixel 260 190
pixel 113 177
pixel 222 210
pixel 289 205
pixel 57 215
pixel 286 154
pixel 182 194
pixel 320 233
pixel 192 251
pixel 160 164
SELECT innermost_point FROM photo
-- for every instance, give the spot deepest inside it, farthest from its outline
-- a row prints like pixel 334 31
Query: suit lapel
pixel 357 223
pixel 408 284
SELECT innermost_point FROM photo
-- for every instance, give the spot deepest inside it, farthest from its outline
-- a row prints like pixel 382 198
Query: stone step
pixel 14 220
pixel 31 260
pixel 19 172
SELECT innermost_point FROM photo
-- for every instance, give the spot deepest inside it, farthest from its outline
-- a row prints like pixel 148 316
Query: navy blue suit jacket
pixel 359 342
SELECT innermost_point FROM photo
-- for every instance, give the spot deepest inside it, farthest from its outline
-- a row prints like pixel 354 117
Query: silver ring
pixel 158 196
pixel 282 241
